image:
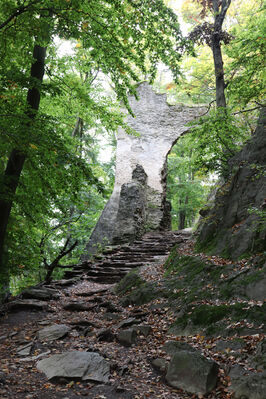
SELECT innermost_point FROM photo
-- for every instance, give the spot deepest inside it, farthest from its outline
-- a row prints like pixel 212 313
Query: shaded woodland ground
pixel 149 300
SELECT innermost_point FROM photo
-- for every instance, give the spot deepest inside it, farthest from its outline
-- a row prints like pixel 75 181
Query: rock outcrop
pixel 76 364
pixel 192 372
pixel 138 202
pixel 235 225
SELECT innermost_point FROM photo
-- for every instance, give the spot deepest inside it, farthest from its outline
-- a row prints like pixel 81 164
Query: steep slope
pixel 235 226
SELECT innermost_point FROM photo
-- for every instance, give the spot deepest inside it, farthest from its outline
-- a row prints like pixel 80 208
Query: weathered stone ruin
pixel 138 202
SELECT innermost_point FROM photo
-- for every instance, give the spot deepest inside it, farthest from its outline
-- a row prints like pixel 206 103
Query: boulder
pixel 229 346
pixel 143 329
pixel 127 337
pixel 111 316
pixel 109 306
pixel 250 387
pixel 79 324
pixel 160 364
pixel 128 322
pixel 53 332
pixel 25 350
pixel 75 364
pixel 42 293
pixel 130 281
pixel 172 347
pixel 259 360
pixel 256 290
pixel 105 335
pixel 26 304
pixel 192 372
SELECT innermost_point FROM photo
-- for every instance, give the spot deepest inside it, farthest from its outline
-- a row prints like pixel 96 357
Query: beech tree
pixel 212 34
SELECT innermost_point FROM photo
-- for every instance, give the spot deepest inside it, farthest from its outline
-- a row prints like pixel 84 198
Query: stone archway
pixel 138 202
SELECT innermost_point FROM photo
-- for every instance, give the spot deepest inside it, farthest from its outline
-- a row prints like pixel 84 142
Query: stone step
pixel 98 273
pixel 122 264
pixel 152 252
pixel 139 257
pixel 73 272
pixel 104 280
pixel 114 262
pixel 109 270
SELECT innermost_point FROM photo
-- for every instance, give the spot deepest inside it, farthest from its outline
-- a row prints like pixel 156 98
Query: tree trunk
pixel 219 15
pixel 182 215
pixel 182 219
pixel 219 71
pixel 16 161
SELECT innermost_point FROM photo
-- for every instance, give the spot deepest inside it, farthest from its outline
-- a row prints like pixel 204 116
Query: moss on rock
pixel 131 281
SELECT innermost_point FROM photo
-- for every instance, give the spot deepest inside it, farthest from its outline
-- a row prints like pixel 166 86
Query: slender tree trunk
pixel 182 216
pixel 219 71
pixel 220 8
pixel 16 161
pixel 182 219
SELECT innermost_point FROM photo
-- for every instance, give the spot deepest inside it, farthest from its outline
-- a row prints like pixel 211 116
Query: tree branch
pixel 224 8
pixel 209 106
pixel 247 110
pixel 64 251
pixel 18 12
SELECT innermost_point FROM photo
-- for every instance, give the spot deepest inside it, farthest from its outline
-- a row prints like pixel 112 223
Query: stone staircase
pixel 116 261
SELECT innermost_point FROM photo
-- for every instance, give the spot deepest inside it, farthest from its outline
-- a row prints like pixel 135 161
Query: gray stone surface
pixel 160 364
pixel 131 215
pixel 78 306
pixel 25 350
pixel 105 335
pixel 257 290
pixel 41 293
pixel 250 387
pixel 53 332
pixel 143 329
pixel 128 322
pixel 192 372
pixel 172 347
pixel 127 337
pixel 227 346
pixel 158 126
pixel 26 304
pixel 75 364
pixel 230 229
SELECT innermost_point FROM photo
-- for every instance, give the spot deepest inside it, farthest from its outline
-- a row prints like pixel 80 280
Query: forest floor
pixel 132 376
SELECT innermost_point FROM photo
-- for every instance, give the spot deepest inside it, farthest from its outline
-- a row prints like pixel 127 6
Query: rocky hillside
pixel 184 326
pixel 216 313
pixel 236 224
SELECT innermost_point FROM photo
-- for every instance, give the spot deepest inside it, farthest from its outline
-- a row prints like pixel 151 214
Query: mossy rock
pixel 191 267
pixel 144 294
pixel 216 320
pixel 131 281
pixel 188 266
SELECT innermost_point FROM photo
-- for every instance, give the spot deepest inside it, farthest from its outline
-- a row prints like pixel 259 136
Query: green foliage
pixel 247 57
pixel 217 137
pixel 196 84
pixel 60 190
pixel 187 184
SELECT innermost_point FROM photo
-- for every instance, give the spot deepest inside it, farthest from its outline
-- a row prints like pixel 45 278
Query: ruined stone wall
pixel 158 126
